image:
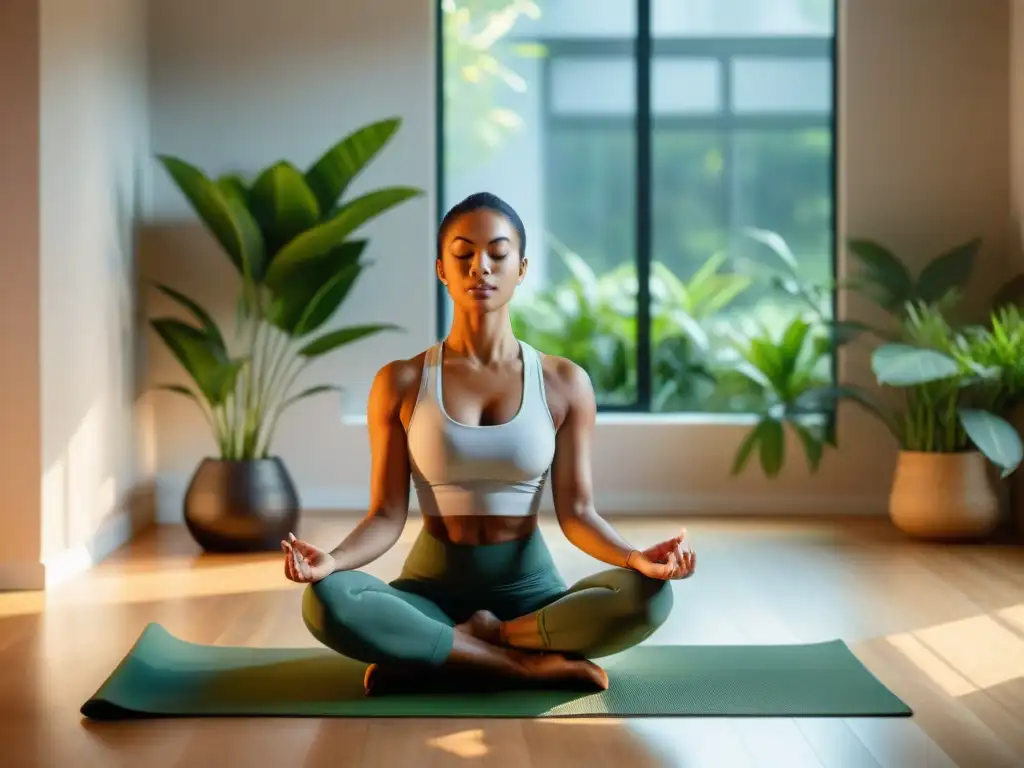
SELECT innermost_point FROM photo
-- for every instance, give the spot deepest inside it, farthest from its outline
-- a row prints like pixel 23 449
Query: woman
pixel 478 422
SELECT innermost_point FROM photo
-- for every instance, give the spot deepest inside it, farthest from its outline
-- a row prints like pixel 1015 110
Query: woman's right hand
pixel 304 563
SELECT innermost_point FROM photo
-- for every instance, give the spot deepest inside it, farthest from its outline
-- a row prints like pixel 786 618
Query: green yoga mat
pixel 165 676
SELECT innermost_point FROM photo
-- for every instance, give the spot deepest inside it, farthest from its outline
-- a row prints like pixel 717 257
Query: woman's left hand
pixel 676 556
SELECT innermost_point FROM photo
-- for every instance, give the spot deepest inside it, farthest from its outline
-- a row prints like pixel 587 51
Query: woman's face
pixel 480 261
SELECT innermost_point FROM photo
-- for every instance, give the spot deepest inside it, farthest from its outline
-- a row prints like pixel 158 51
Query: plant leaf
pixel 947 272
pixel 283 204
pixel 331 174
pixel 746 449
pixel 200 314
pixel 341 337
pixel 886 274
pixel 292 299
pixel 223 212
pixel 328 299
pixel 813 447
pixel 820 398
pixel 320 240
pixel 777 244
pixel 197 354
pixel 1010 293
pixel 773 446
pixel 995 437
pixel 317 390
pixel 901 365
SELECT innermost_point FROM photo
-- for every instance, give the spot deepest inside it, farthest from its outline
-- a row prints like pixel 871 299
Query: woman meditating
pixel 479 422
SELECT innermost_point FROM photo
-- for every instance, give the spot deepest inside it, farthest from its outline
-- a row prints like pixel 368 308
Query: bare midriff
pixel 479 530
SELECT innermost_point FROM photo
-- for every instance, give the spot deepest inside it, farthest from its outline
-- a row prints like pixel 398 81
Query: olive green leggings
pixel 411 619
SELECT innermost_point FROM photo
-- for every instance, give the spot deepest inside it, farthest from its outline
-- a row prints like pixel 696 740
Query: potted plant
pixel 955 389
pixel 288 235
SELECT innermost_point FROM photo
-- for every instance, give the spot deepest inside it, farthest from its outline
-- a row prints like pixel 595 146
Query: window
pixel 662 154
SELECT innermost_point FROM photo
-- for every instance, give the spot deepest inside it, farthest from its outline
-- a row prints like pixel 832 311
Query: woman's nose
pixel 481 266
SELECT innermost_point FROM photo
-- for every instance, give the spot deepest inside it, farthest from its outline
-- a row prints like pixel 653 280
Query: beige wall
pixel 924 153
pixel 94 165
pixel 74 479
pixel 19 308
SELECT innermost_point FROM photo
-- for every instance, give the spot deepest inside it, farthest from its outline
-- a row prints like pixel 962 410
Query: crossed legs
pixel 364 618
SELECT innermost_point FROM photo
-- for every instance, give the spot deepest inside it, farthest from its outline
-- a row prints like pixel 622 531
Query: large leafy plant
pixel 789 373
pixel 954 387
pixel 287 234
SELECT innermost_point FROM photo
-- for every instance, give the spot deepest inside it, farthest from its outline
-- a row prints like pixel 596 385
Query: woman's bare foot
pixel 482 625
pixel 556 668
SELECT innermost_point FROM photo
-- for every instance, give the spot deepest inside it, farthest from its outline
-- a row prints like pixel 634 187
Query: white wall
pixel 94 146
pixel 77 488
pixel 236 84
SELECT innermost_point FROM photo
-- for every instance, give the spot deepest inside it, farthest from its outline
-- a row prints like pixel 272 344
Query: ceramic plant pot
pixel 944 496
pixel 241 506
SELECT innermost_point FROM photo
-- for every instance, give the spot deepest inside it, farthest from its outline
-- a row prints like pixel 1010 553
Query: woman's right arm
pixel 389 475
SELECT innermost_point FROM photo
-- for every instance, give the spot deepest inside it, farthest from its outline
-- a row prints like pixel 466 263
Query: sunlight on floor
pixel 120 588
pixel 968 655
pixel 465 744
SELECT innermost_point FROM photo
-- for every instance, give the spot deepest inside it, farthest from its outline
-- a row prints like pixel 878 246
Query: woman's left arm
pixel 572 484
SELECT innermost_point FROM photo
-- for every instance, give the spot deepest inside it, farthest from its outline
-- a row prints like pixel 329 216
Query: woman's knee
pixel 647 601
pixel 326 605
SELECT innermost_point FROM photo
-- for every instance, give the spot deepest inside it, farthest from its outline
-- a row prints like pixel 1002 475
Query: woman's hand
pixel 304 563
pixel 670 559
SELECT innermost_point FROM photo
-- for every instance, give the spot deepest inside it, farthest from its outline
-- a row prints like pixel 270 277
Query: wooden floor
pixel 943 626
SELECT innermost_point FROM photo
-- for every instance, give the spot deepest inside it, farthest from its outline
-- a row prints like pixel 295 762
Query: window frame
pixel 643 49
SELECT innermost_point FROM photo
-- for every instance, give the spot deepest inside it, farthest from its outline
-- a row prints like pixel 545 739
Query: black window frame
pixel 644 48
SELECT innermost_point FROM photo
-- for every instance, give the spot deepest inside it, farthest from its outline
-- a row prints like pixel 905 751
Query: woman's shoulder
pixel 566 377
pixel 402 375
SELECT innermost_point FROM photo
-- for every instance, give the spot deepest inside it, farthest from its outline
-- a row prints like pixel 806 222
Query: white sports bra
pixel 500 469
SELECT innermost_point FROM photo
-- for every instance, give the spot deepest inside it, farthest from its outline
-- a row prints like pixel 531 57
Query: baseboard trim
pixel 25 576
pixel 137 513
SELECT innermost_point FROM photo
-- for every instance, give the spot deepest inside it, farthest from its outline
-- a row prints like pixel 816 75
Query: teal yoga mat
pixel 165 676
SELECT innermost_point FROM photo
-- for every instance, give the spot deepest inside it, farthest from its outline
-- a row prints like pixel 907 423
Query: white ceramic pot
pixel 944 495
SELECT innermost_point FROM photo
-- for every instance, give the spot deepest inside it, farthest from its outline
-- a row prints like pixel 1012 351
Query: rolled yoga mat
pixel 168 677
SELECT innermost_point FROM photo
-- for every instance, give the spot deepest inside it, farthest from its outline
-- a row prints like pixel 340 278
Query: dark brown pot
pixel 241 506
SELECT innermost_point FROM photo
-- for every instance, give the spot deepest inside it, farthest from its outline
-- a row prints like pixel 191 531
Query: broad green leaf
pixel 327 236
pixel 947 272
pixel 331 174
pixel 317 390
pixel 886 274
pixel 223 212
pixel 292 299
pixel 767 358
pixel 773 447
pixel 813 447
pixel 198 313
pixel 233 184
pixel 901 365
pixel 180 390
pixel 777 245
pixel 327 300
pixel 196 353
pixel 283 204
pixel 1011 293
pixel 746 449
pixel 224 379
pixel 341 337
pixel 791 346
pixel 995 437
